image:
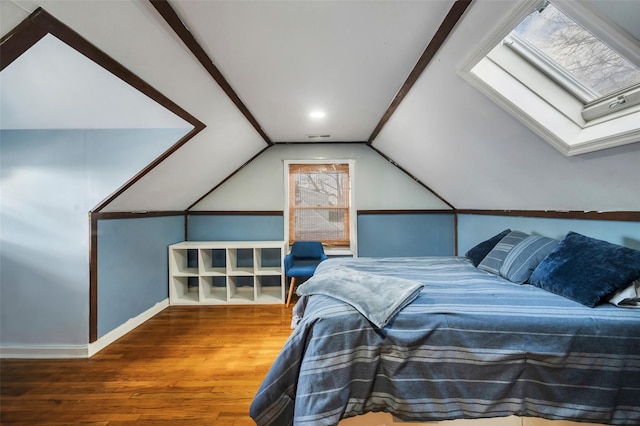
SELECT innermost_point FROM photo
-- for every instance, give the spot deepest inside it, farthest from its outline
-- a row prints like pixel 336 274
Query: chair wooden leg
pixel 291 287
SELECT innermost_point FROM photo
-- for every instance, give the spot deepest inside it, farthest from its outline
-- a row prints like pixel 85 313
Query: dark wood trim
pixel 52 25
pixel 623 216
pixel 455 234
pixel 409 211
pixel 229 177
pixel 20 39
pixel 418 181
pixel 93 278
pixel 173 20
pixel 235 213
pixel 136 215
pixel 39 23
pixel 449 22
pixel 312 142
pixel 148 168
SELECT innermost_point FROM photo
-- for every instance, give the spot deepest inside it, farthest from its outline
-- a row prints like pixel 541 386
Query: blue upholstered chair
pixel 302 261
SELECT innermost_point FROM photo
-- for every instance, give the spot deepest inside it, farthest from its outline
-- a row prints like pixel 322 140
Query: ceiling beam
pixel 449 22
pixel 171 17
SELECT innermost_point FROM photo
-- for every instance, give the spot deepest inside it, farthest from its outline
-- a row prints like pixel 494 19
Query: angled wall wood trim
pixel 173 20
pixel 448 24
pixel 20 39
pixel 40 23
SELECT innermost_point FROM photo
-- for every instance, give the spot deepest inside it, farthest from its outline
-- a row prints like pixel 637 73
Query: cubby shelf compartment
pixel 226 272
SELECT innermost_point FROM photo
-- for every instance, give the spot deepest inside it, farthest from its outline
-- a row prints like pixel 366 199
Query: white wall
pixel 379 185
pixel 478 156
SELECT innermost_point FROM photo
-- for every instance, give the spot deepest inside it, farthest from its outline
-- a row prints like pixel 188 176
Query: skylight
pixel 544 65
pixel 571 55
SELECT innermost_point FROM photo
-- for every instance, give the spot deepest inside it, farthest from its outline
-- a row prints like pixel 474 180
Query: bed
pixel 466 343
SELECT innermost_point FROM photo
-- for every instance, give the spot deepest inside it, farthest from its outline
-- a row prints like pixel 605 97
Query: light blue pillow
pixel 495 258
pixel 525 257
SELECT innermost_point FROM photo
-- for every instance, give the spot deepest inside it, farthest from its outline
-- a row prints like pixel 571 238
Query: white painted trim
pixel 125 328
pixel 80 351
pixel 44 351
pixel 339 252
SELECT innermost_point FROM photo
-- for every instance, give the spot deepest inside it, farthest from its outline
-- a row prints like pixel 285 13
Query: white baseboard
pixel 125 328
pixel 81 351
pixel 44 351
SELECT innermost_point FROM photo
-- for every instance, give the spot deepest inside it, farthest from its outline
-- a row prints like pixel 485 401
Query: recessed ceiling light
pixel 317 114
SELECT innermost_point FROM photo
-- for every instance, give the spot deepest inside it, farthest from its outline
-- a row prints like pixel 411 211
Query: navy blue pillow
pixel 587 270
pixel 477 253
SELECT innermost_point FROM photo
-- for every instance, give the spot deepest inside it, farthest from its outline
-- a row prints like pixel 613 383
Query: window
pixel 561 80
pixel 569 54
pixel 319 203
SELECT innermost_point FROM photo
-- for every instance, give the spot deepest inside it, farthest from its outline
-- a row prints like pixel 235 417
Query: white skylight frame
pixel 539 102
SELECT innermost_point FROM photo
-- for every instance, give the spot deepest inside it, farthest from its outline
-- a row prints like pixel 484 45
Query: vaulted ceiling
pixel 252 71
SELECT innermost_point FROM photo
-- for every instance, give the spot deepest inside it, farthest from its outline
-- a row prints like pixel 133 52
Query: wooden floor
pixel 186 366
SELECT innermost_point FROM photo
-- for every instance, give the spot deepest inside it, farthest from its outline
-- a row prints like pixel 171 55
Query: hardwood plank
pixel 187 365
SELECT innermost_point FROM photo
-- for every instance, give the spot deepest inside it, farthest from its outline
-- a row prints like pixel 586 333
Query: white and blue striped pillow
pixel 495 258
pixel 525 257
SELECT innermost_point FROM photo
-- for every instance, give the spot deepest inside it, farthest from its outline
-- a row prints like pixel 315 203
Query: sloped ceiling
pixel 348 58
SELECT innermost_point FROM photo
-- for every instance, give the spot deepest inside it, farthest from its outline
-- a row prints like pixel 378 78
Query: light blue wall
pixel 236 228
pixel 50 180
pixel 473 229
pixel 418 234
pixel 44 242
pixel 133 266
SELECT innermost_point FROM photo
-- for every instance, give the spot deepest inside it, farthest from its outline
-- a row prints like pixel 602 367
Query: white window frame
pixel 544 106
pixel 352 250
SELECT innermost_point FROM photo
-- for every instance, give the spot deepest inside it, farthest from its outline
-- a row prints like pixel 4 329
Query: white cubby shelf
pixel 226 272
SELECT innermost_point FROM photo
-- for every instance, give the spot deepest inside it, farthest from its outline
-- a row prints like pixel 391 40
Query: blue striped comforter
pixel 470 345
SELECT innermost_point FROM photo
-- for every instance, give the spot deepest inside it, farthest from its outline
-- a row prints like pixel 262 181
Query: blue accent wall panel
pixel 381 235
pixel 51 179
pixel 236 228
pixel 133 266
pixel 473 229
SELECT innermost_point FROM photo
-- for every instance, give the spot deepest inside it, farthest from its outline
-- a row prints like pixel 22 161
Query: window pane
pixel 320 189
pixel 320 224
pixel 568 46
pixel 319 203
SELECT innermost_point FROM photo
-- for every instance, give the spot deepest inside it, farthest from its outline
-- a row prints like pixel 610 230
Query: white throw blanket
pixel 378 297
